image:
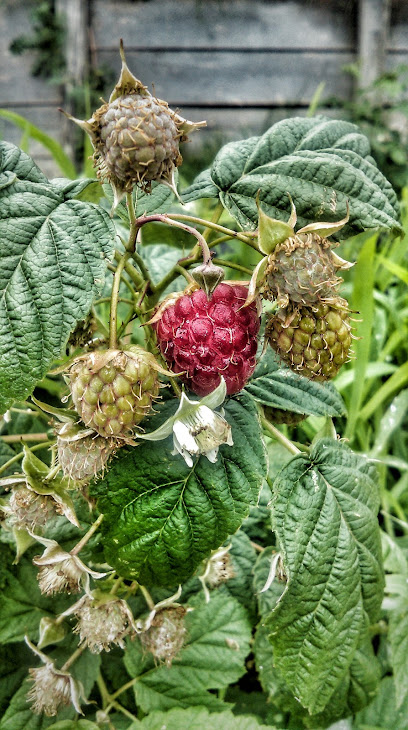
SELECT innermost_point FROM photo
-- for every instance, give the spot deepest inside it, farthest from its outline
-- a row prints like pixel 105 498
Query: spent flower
pixel 52 688
pixel 62 571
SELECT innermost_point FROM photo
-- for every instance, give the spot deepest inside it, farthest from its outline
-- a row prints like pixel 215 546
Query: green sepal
pixel 271 231
pixel 51 632
pixel 38 479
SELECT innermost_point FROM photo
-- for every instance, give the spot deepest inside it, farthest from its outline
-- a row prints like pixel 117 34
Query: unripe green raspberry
pixel 113 390
pixel 302 269
pixel 313 341
pixel 278 415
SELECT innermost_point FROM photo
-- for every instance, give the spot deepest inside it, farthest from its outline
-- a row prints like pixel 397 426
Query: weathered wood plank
pixel 232 77
pixel 399 26
pixel 374 24
pixel 224 24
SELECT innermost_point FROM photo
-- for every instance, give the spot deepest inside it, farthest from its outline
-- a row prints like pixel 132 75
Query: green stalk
pixel 20 455
pixel 113 338
pixel 278 436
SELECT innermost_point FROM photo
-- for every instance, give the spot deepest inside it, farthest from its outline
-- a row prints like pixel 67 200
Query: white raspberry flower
pixel 52 688
pixel 61 571
pixel 196 428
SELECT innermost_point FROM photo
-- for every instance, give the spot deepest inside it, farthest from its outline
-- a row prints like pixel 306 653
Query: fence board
pixel 232 77
pixel 224 24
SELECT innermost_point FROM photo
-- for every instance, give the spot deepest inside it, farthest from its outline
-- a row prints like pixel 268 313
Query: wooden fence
pixel 240 64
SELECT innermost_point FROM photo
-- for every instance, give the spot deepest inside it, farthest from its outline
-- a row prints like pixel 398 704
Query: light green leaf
pixel 218 636
pixel 398 638
pixel 274 384
pixel 382 713
pixel 356 690
pixel 196 718
pixel 325 517
pixel 322 163
pixel 53 262
pixel 163 518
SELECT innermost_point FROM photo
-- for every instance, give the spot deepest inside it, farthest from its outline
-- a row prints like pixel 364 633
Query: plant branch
pixel 232 265
pixel 93 528
pixel 17 437
pixel 278 436
pixel 113 338
pixel 173 221
pixel 244 237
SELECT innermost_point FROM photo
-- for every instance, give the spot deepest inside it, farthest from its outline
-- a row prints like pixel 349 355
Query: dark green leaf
pixel 218 636
pixel 274 384
pixel 14 660
pixel 324 515
pixel 52 266
pixel 19 715
pixel 322 163
pixel 163 518
pixel 22 605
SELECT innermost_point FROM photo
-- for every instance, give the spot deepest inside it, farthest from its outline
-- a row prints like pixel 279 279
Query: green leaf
pixel 382 713
pixel 356 690
pixel 218 636
pixel 398 638
pixel 74 725
pixel 322 163
pixel 196 718
pixel 325 516
pixel 362 302
pixel 19 715
pixel 202 187
pixel 62 160
pixel 53 262
pixel 274 384
pixel 163 518
pixel 158 201
pixel 22 605
pixel 14 660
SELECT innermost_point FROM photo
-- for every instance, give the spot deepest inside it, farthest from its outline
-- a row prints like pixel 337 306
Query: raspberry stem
pixel 278 436
pixel 93 528
pixel 17 457
pixel 113 338
pixel 244 237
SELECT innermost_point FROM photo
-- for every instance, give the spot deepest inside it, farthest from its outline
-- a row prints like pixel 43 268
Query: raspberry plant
pixel 173 547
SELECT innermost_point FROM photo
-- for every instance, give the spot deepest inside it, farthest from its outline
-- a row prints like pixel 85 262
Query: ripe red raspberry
pixel 208 338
